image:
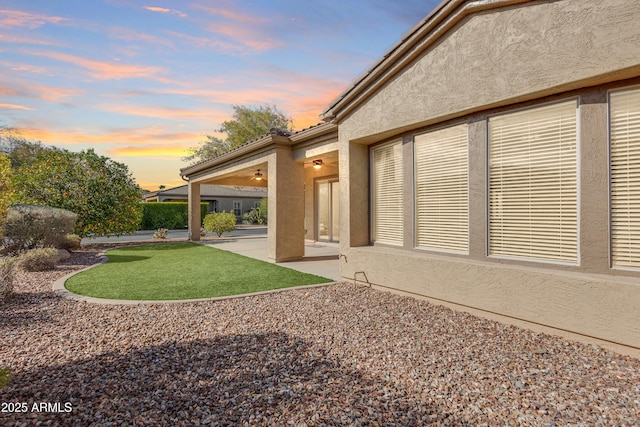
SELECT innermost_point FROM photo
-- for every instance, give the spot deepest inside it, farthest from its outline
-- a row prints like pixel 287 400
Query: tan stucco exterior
pixel 464 62
pixel 286 162
pixel 494 57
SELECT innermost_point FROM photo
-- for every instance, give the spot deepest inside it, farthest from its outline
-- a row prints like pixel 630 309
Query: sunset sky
pixel 140 81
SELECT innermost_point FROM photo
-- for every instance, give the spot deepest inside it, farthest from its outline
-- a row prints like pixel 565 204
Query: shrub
pixel 264 209
pixel 6 278
pixel 6 189
pixel 70 242
pixel 169 215
pixel 39 259
pixel 30 226
pixel 254 216
pixel 100 191
pixel 160 233
pixel 5 376
pixel 219 222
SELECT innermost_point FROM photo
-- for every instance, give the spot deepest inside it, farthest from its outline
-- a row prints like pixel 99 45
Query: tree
pixel 20 150
pixel 208 149
pixel 100 191
pixel 248 123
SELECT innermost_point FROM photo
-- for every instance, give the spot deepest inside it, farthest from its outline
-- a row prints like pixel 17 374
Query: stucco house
pixel 219 198
pixel 490 160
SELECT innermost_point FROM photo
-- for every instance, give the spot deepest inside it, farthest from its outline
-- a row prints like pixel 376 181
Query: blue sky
pixel 140 81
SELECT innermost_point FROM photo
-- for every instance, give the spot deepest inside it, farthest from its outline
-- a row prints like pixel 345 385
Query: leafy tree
pixel 100 191
pixel 20 150
pixel 248 123
pixel 6 190
pixel 208 149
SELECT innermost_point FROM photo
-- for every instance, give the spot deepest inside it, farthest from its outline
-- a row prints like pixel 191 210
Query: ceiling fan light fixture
pixel 317 164
pixel 258 176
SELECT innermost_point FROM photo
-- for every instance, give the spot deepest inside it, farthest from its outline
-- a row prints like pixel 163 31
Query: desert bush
pixel 6 278
pixel 30 227
pixel 70 242
pixel 254 216
pixel 39 259
pixel 219 222
pixel 5 376
pixel 264 209
pixel 6 189
pixel 257 215
pixel 169 215
pixel 160 233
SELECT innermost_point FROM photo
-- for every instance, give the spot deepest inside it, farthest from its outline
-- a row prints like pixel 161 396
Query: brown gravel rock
pixel 337 355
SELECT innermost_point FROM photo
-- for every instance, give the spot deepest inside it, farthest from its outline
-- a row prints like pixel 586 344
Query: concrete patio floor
pixel 321 258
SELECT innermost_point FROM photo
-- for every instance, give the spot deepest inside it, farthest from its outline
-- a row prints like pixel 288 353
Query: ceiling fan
pixel 258 176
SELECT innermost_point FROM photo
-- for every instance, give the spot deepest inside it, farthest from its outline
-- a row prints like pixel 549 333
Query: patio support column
pixel 286 206
pixel 194 211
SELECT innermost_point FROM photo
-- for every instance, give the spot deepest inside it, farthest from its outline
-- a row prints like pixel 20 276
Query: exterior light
pixel 317 164
pixel 258 176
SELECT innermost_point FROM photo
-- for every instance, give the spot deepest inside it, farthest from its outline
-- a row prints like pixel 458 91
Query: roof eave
pixel 249 147
pixel 415 41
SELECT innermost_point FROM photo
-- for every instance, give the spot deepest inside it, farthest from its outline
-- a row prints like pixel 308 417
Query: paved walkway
pixel 320 258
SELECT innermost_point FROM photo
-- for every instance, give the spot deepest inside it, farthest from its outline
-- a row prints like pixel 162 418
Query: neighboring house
pixel 238 200
pixel 491 159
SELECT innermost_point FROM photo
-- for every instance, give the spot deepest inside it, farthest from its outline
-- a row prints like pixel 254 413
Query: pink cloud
pixel 206 42
pixel 23 40
pixel 231 15
pixel 16 18
pixel 38 91
pixel 164 113
pixel 165 10
pixel 24 67
pixel 249 36
pixel 14 107
pixel 254 32
pixel 150 150
pixel 120 137
pixel 105 70
pixel 127 34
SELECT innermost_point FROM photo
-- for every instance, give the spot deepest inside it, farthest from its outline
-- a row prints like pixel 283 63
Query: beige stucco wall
pixel 537 52
pixel 593 305
pixel 504 55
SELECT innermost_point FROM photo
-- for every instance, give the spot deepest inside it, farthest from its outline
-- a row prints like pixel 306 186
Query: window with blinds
pixel 532 184
pixel 625 177
pixel 441 184
pixel 387 207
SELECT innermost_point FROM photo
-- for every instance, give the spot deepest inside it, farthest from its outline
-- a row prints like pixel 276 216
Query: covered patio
pixel 300 172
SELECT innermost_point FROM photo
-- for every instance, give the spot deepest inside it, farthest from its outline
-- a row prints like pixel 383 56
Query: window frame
pixel 396 141
pixel 577 262
pixel 610 218
pixel 415 191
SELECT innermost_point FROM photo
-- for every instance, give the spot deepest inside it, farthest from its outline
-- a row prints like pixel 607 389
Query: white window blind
pixel 441 183
pixel 387 206
pixel 625 178
pixel 532 184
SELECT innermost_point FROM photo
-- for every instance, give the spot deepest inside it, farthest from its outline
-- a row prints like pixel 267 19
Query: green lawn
pixel 182 271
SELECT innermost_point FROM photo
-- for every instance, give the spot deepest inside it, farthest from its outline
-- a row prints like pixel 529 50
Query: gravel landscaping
pixel 337 355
